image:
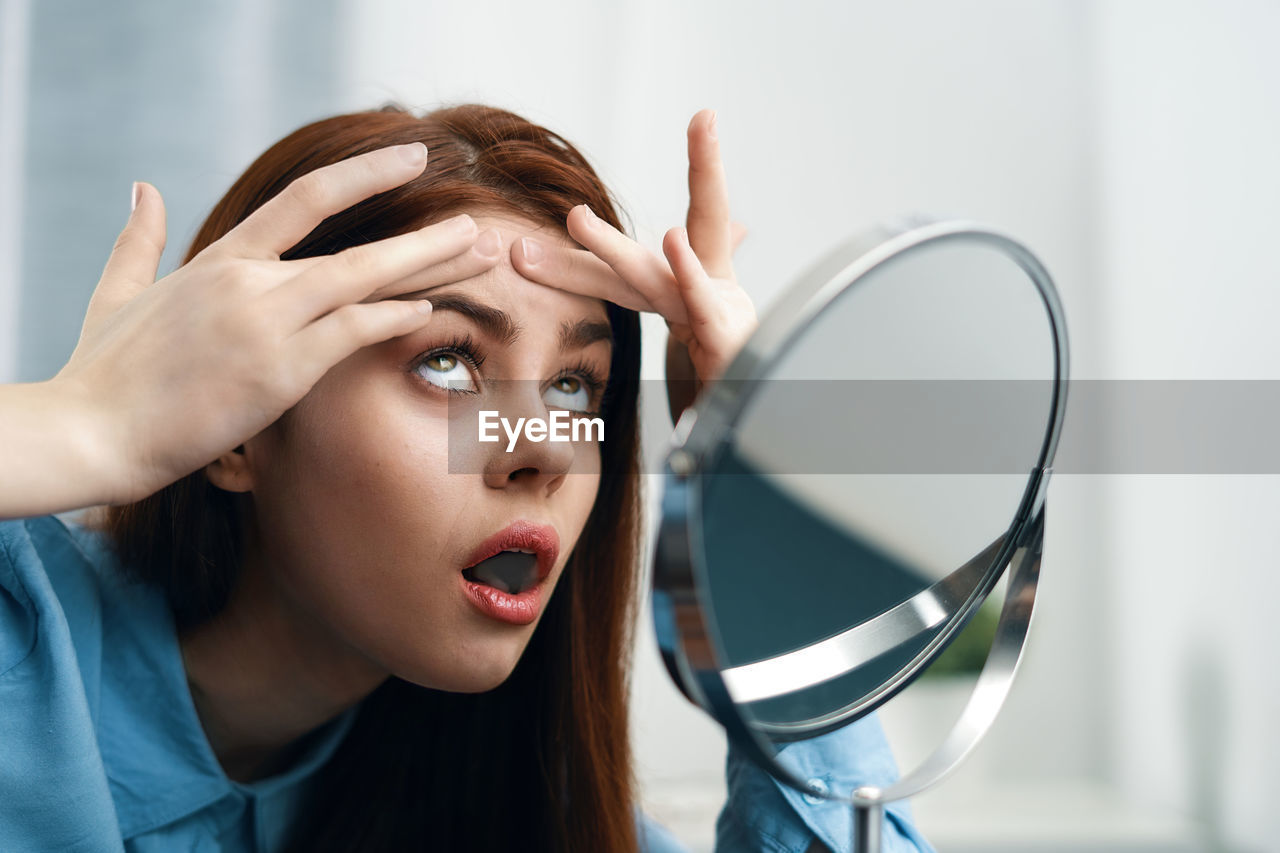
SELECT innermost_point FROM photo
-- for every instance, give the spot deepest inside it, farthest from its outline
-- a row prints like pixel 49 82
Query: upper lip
pixel 541 539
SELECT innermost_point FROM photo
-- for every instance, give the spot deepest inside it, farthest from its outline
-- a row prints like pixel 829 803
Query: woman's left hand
pixel 694 289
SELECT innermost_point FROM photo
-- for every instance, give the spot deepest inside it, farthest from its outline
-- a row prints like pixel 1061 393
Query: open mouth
pixel 504 574
pixel 511 571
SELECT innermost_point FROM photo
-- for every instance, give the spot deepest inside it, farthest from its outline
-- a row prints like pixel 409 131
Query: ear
pixel 231 471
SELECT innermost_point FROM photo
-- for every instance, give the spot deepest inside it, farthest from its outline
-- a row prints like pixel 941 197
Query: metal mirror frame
pixel 682 618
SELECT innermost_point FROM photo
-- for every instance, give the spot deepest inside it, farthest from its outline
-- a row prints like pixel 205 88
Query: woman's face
pixel 373 495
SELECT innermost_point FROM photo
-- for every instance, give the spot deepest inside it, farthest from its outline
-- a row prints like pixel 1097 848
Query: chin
pixel 477 673
pixel 476 681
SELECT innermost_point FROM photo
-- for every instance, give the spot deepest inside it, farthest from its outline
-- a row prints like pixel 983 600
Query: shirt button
pixel 818 784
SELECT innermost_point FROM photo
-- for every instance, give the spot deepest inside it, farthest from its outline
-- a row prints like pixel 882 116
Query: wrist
pixel 93 455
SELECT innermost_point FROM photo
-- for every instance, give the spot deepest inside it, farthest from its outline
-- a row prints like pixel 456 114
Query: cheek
pixel 358 513
pixel 361 481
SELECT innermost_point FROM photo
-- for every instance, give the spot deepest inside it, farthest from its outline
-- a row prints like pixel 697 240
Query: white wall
pixel 1190 209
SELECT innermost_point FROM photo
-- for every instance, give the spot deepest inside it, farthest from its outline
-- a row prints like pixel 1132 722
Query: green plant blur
pixel 968 651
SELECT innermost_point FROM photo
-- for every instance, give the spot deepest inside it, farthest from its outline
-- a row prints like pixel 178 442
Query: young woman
pixel 307 619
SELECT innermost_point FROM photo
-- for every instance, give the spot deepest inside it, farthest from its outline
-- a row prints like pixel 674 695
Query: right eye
pixel 448 368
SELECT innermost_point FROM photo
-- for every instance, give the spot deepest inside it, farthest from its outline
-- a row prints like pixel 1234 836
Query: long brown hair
pixel 422 768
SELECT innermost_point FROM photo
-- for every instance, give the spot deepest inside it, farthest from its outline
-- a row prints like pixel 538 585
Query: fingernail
pixel 415 153
pixel 489 243
pixel 422 306
pixel 461 223
pixel 591 217
pixel 711 126
pixel 133 202
pixel 532 250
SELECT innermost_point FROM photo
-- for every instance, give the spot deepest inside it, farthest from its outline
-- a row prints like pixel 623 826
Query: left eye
pixel 569 392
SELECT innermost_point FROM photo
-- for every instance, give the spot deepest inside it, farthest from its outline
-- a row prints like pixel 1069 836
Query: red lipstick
pixel 520 608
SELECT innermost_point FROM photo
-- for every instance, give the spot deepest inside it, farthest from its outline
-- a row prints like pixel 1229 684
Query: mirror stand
pixel 868 815
pixel 988 694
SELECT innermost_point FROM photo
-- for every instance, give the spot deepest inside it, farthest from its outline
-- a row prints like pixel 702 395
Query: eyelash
pixel 465 346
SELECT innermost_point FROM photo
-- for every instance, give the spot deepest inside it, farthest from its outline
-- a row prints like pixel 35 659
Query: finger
pixel 708 218
pixel 638 267
pixel 574 270
pixel 352 275
pixel 691 279
pixel 680 332
pixel 484 255
pixel 278 225
pixel 335 336
pixel 737 233
pixel 135 258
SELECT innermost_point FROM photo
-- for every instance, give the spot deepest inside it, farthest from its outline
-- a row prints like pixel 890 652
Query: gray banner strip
pixel 991 426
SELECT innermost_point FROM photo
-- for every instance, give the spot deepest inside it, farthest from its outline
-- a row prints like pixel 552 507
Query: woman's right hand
pixel 170 374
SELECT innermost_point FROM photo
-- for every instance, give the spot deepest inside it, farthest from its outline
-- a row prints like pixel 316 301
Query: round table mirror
pixel 840 503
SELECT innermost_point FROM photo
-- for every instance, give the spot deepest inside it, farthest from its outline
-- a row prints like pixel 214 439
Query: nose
pixel 538 465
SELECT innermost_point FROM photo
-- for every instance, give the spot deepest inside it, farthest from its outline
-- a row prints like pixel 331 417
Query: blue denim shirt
pixel 101 748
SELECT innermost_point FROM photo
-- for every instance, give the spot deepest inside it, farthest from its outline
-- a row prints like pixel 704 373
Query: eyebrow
pixel 500 325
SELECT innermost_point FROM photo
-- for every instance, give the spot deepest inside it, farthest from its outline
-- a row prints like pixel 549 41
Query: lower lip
pixel 521 609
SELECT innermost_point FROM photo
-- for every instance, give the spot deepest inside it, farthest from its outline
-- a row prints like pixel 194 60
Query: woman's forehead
pixel 528 302
pixel 513 226
pixel 504 282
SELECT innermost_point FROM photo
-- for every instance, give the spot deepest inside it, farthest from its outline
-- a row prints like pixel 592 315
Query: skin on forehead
pixel 511 227
pixel 504 289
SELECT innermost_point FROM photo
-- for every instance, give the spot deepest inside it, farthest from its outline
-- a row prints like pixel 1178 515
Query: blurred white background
pixel 1130 143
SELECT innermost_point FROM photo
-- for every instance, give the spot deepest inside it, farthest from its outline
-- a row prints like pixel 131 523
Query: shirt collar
pixel 159 764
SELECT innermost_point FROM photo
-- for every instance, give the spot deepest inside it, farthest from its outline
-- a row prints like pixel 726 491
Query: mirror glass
pixel 854 513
